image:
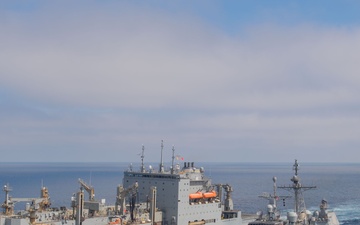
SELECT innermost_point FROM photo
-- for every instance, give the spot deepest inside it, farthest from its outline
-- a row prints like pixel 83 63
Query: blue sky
pixel 237 81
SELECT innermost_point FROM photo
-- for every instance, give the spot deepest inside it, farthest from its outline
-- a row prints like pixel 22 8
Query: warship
pixel 300 215
pixel 176 196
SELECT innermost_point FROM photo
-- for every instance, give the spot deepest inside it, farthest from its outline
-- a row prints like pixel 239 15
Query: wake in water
pixel 348 213
pixel 351 222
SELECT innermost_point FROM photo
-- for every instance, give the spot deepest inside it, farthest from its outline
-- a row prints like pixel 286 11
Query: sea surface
pixel 337 183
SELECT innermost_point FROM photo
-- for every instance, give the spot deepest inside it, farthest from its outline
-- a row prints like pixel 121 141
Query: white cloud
pixel 165 61
pixel 273 86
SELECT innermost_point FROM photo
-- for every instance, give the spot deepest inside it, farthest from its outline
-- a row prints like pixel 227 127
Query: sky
pixel 221 81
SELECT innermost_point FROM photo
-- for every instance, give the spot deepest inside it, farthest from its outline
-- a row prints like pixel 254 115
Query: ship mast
pixel 7 205
pixel 142 160
pixel 161 168
pixel 273 213
pixel 298 189
pixel 173 158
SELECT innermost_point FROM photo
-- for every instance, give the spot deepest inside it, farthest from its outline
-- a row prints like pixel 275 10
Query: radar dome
pixel 308 213
pixel 295 179
pixel 274 179
pixel 292 217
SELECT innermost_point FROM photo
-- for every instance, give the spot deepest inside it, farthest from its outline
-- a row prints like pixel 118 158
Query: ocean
pixel 337 183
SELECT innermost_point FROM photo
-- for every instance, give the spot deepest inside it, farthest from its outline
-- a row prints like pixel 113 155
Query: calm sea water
pixel 337 183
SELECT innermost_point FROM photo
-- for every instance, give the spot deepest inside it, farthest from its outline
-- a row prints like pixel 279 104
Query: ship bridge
pixel 184 195
pixel 191 172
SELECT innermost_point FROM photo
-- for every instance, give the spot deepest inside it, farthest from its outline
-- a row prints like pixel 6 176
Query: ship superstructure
pixel 272 215
pixel 298 189
pixel 184 195
pixel 300 215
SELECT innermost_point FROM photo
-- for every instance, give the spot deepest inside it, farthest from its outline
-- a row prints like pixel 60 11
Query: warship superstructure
pixel 272 215
pixel 300 215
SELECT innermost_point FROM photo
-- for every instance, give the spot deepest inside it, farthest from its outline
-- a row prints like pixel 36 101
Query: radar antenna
pixel 296 167
pixel 298 190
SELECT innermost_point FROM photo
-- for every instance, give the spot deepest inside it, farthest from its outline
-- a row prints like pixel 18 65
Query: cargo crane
pixel 89 189
pixel 37 204
pixel 228 200
pixel 92 205
pixel 120 198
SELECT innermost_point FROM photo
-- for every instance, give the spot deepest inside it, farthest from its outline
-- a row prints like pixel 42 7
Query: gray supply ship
pixel 300 215
pixel 179 196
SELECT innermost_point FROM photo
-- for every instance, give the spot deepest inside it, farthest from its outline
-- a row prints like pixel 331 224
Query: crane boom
pixel 89 189
pixel 35 200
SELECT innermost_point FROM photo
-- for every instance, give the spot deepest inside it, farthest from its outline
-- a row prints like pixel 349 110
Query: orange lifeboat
pixel 211 194
pixel 196 195
pixel 115 222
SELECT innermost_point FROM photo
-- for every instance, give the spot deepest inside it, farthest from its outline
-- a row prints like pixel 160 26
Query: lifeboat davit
pixel 211 194
pixel 196 195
